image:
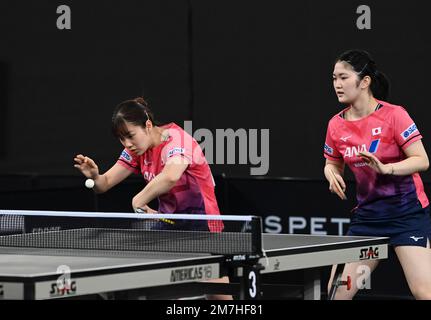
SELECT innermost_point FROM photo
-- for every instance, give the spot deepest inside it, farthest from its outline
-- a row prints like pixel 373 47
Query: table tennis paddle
pixel 140 210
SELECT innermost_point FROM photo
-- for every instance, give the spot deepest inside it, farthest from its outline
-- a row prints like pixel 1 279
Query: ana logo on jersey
pixel 373 146
pixel 408 132
pixel 355 150
pixel 148 176
pixel 126 156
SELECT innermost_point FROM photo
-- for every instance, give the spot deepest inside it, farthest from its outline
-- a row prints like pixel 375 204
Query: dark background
pixel 222 64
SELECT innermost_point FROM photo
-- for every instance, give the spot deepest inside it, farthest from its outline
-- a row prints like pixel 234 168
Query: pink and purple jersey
pixel 385 133
pixel 194 192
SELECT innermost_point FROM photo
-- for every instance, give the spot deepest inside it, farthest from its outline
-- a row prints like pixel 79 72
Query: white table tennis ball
pixel 89 183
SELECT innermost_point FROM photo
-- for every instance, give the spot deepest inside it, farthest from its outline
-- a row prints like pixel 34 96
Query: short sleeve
pixel 128 161
pixel 179 145
pixel 405 130
pixel 330 151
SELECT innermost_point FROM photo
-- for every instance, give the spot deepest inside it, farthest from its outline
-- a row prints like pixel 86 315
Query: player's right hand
pixel 145 209
pixel 337 185
pixel 87 166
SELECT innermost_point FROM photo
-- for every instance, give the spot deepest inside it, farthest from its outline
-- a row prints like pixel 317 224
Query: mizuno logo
pixel 345 138
pixel 416 238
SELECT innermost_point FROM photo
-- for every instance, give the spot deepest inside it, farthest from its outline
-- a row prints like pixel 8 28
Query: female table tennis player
pixel 171 162
pixel 382 146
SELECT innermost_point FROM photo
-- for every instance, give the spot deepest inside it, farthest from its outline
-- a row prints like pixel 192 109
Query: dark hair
pixel 135 111
pixel 363 64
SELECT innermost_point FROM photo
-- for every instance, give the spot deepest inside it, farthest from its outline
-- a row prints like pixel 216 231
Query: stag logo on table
pixel 369 253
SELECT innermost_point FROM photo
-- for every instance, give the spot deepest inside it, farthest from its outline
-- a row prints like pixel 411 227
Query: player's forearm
pixel 408 166
pixel 161 184
pixel 101 184
pixel 336 169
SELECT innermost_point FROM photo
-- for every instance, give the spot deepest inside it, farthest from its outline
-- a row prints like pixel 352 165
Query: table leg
pixel 312 285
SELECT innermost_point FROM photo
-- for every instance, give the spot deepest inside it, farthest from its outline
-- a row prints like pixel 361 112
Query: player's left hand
pixel 373 162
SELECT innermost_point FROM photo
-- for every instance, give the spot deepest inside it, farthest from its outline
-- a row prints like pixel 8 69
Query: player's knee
pixel 328 288
pixel 422 292
pixel 344 294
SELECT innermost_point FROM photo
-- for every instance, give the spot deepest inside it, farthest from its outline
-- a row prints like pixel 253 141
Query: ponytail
pixel 380 86
pixel 364 65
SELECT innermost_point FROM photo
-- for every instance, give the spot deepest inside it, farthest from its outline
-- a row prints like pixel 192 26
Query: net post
pixel 256 234
pixel 250 281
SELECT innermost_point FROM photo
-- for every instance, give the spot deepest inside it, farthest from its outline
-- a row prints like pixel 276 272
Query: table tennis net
pixel 128 233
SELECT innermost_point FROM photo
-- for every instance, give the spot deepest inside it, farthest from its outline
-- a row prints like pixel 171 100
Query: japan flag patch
pixel 376 131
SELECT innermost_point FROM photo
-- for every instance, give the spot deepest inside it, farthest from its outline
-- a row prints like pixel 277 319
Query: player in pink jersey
pixel 382 146
pixel 171 162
